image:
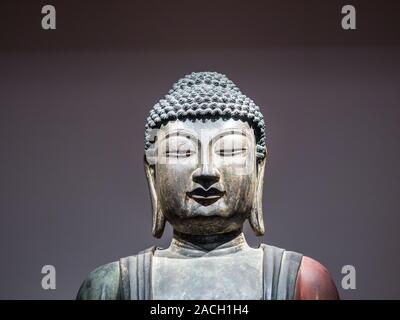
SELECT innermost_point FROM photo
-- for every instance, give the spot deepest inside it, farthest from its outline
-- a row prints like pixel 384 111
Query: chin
pixel 206 211
pixel 216 209
pixel 201 224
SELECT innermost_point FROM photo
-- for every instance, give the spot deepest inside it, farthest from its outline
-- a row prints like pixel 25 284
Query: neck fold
pixel 216 244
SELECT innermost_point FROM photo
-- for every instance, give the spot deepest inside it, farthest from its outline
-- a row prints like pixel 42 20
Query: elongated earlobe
pixel 256 218
pixel 158 224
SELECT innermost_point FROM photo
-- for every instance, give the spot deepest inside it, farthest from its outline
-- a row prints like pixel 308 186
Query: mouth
pixel 205 197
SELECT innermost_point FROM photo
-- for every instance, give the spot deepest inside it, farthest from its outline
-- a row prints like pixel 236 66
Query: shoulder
pixel 314 282
pixel 101 284
pixel 112 281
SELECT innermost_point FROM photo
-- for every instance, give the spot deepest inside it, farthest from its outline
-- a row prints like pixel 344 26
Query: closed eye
pixel 231 152
pixel 178 153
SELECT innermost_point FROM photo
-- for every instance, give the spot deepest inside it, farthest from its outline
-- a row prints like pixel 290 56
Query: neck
pixel 209 242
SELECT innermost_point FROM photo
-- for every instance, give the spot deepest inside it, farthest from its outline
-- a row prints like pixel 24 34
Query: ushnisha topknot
pixel 206 95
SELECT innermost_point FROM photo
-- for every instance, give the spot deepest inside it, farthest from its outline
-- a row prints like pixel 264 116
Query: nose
pixel 205 176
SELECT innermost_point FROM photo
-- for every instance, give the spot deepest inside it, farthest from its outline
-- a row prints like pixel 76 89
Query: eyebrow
pixel 180 133
pixel 242 132
pixel 192 136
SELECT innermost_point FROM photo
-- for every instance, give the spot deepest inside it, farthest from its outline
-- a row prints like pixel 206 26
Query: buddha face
pixel 205 174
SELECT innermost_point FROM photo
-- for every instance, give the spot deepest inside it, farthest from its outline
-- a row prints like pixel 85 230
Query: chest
pixel 227 277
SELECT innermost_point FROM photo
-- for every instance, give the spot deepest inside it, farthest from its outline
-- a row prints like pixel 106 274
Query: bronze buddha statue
pixel 204 161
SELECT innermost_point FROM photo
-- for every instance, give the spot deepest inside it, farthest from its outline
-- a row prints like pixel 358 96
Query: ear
pixel 158 217
pixel 256 218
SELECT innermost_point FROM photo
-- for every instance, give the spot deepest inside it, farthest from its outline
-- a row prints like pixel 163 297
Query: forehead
pixel 212 127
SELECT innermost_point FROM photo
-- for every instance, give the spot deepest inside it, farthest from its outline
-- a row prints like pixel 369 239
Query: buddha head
pixel 204 158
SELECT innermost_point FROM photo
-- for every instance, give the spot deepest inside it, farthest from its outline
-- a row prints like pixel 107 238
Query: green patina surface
pixel 102 283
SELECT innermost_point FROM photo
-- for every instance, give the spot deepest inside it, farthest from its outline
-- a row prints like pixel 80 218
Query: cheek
pixel 173 181
pixel 240 188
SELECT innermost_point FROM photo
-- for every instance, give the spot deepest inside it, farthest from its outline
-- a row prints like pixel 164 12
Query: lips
pixel 205 197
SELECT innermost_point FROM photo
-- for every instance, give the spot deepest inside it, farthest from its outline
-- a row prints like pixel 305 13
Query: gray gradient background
pixel 73 105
